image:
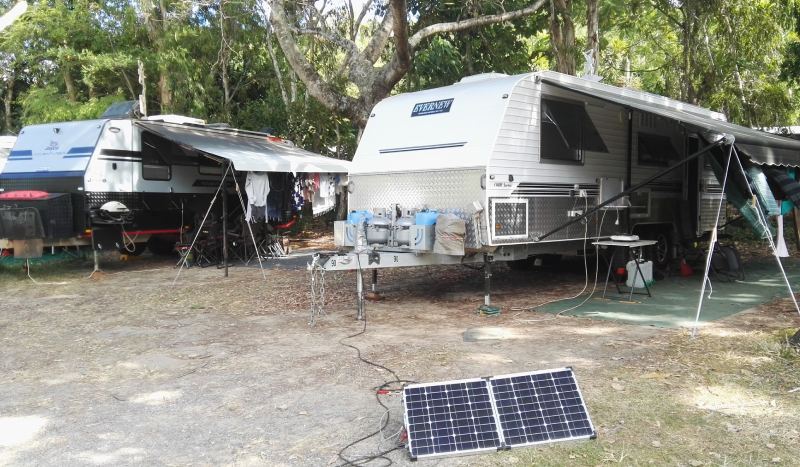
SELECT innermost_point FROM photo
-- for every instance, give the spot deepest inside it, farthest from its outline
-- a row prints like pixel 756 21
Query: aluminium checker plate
pixel 500 412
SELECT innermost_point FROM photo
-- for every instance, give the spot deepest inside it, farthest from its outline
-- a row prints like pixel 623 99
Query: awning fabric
pixel 760 147
pixel 249 152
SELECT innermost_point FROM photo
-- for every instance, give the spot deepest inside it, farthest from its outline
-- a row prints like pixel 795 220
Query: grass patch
pixel 714 400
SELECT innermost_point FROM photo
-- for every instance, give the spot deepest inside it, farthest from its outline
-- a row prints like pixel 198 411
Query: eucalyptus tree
pixel 372 58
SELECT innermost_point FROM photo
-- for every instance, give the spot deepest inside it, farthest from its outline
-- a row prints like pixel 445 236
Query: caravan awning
pixel 247 151
pixel 759 146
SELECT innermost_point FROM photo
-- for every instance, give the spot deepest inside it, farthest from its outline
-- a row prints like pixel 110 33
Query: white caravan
pixel 520 159
pixel 93 182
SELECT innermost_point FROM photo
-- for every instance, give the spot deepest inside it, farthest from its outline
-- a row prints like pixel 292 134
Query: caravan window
pixel 567 131
pixel 154 165
pixel 656 149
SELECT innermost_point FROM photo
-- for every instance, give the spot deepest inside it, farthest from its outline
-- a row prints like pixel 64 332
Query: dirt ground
pixel 128 368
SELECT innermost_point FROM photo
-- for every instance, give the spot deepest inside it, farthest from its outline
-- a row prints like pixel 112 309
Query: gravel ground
pixel 128 368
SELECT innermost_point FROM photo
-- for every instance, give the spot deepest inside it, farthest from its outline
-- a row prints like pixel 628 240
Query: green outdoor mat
pixel 674 300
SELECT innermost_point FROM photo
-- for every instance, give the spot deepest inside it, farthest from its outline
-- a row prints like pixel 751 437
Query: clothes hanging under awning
pixel 256 186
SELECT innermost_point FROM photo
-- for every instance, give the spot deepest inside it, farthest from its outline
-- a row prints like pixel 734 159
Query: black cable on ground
pixel 385 386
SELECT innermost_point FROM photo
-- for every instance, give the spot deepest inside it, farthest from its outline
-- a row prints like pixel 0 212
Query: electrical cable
pixel 586 278
pixel 28 271
pixel 127 240
pixel 385 386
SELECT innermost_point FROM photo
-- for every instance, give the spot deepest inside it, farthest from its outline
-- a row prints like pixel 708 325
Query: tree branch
pixel 372 51
pixel 393 72
pixel 357 24
pixel 400 30
pixel 348 46
pixel 316 86
pixel 471 23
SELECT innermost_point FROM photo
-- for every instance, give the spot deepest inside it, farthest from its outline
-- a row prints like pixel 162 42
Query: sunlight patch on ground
pixel 488 358
pixel 725 332
pixel 157 397
pixel 122 455
pixel 734 400
pixel 15 431
pixel 595 330
pixel 130 365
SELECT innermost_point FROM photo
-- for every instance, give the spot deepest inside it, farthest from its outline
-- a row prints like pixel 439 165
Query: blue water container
pixel 355 217
pixel 426 218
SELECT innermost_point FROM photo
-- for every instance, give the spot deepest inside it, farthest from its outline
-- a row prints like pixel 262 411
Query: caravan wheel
pixel 660 252
pixel 138 249
pixel 162 246
pixel 521 264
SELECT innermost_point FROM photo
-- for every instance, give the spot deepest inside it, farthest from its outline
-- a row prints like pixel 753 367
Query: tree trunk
pixel 224 60
pixel 278 73
pixel 687 43
pixel 164 90
pixel 468 65
pixel 562 35
pixel 8 99
pixel 69 83
pixel 155 20
pixel 593 32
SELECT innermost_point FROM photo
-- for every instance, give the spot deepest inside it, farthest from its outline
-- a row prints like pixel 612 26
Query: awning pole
pixel 711 243
pixel 197 235
pixel 632 189
pixel 224 195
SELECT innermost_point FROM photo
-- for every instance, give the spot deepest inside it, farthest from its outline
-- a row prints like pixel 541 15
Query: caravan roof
pixel 65 149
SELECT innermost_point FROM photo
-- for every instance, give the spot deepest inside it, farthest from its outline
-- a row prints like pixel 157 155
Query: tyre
pixel 521 264
pixel 138 249
pixel 162 246
pixel 661 252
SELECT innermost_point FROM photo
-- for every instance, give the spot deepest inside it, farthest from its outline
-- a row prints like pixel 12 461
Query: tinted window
pixel 156 172
pixel 154 164
pixel 567 131
pixel 656 150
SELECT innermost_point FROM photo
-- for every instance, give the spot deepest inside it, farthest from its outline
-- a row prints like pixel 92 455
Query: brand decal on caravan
pixel 432 107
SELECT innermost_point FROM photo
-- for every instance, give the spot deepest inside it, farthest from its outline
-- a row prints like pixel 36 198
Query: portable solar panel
pixel 500 412
pixel 450 417
pixel 540 407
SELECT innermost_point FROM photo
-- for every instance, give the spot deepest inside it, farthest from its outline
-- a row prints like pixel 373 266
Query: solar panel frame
pixel 565 410
pixel 449 436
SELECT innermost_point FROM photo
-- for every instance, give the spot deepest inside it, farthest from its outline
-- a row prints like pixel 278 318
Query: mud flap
pixel 21 224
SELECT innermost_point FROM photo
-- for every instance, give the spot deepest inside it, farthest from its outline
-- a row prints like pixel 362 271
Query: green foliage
pixel 48 104
pixel 723 54
pixel 67 59
pixel 502 48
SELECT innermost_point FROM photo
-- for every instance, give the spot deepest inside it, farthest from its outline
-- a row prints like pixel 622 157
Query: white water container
pixel 634 279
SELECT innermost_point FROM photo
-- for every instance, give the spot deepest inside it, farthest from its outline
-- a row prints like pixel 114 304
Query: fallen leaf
pixel 656 444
